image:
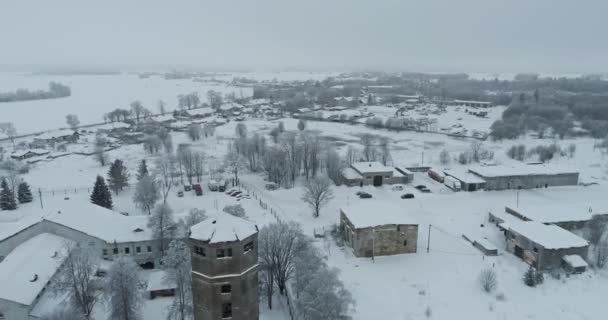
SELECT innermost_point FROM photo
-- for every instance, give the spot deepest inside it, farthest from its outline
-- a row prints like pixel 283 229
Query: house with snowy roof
pixel 543 246
pixel 374 229
pixel 56 136
pixel 28 153
pixel 525 176
pixel 27 272
pixel 225 268
pixel 372 173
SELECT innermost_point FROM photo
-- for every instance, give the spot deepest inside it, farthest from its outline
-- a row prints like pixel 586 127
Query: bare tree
pixel 317 193
pixel 124 290
pixel 444 157
pixel 369 150
pixel 324 297
pixel 76 278
pixel 333 165
pixel 137 109
pixel 101 156
pixel 385 152
pixel 146 193
pixel 72 121
pixel 163 226
pixel 208 129
pixel 352 155
pixel 241 130
pixel 161 107
pixel 177 267
pixel 198 165
pixel 165 169
pixel 194 131
pixel 12 169
pixel 9 129
pixel 63 313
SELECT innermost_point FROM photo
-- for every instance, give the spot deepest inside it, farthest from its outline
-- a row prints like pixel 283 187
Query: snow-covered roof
pixel 55 134
pixel 200 111
pixel 164 117
pixel 258 101
pixel 8 229
pixel 370 167
pixel 548 236
pixel 223 227
pixel 575 261
pixel 98 222
pixel 563 212
pixel 493 171
pixel 156 281
pixel 350 174
pixel 113 126
pixel 464 176
pixel 230 106
pixel 371 213
pixel 20 153
pixel 41 255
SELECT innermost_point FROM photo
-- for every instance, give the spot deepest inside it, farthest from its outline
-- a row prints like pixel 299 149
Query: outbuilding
pixel 525 176
pixel 377 230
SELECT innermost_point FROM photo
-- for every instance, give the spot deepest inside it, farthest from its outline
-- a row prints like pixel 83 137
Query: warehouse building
pixel 372 173
pixel 524 176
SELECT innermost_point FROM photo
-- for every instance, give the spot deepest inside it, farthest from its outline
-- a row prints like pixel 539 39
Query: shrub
pixel 488 280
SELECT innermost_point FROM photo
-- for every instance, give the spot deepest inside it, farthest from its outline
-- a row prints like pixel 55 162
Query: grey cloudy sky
pixel 415 35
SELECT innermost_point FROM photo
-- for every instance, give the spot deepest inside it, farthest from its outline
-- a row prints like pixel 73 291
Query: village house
pixel 26 273
pixel 372 173
pixel 468 180
pixel 199 113
pixel 543 246
pixel 53 137
pixel 28 153
pixel 372 230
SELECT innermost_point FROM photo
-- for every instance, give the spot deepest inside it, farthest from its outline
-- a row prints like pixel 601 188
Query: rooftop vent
pixel 138 230
pixel 214 221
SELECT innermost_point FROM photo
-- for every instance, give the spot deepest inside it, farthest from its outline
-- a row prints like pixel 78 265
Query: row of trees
pixel 56 90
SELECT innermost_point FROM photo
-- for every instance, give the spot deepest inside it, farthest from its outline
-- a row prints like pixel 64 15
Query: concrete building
pixel 543 246
pixel 225 268
pixel 29 153
pixel 27 272
pixel 524 176
pixel 377 230
pixel 468 180
pixel 371 173
pixel 473 104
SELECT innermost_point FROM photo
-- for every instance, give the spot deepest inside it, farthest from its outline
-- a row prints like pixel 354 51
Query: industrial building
pixel 524 176
pixel 372 173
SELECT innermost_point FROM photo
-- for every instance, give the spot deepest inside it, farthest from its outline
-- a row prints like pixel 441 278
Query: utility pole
pixel 40 197
pixel 428 241
pixel 373 244
pixel 518 198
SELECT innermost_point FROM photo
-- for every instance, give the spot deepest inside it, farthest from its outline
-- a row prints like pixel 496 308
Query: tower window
pixel 223 253
pixel 127 250
pixel 227 310
pixel 226 288
pixel 115 251
pixel 248 247
pixel 137 249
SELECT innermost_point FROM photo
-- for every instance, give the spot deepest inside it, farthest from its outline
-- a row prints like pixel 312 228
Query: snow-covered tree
pixel 7 197
pixel 101 195
pixel 444 157
pixel 178 268
pixel 24 194
pixel 194 131
pixel 301 124
pixel 137 109
pixel 124 290
pixel 146 193
pixel 118 177
pixel 317 193
pixel 77 279
pixel 100 155
pixel 164 170
pixel 163 226
pixel 236 210
pixel 324 297
pixel 142 170
pixel 72 121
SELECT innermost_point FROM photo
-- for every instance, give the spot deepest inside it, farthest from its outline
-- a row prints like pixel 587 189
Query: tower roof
pixel 223 227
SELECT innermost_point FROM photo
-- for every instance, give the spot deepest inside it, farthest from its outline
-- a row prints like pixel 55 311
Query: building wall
pixel 530 181
pixel 383 240
pixel 14 311
pixel 209 273
pixel 541 259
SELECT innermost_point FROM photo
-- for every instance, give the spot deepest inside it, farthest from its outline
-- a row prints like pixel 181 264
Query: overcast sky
pixel 414 35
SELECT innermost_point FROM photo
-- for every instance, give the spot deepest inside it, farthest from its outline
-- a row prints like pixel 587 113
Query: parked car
pixel 222 185
pixel 180 194
pixel 243 196
pixel 360 192
pixel 365 195
pixel 198 189
pixel 213 185
pixel 229 191
pixel 397 187
pixel 407 196
pixel 420 187
pixel 235 193
pixel 271 186
pixel 187 187
pixel 425 190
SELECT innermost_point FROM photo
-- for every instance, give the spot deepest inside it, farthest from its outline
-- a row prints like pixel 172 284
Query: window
pixel 127 250
pixel 91 243
pixel 535 249
pixel 137 249
pixel 224 253
pixel 105 252
pixel 248 247
pixel 115 251
pixel 227 310
pixel 200 251
pixel 405 243
pixel 2 315
pixel 149 248
pixel 226 288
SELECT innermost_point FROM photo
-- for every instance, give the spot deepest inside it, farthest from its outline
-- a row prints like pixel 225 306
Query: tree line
pixel 56 90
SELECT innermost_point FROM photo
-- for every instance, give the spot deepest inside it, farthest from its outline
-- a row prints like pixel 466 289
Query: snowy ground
pixel 442 282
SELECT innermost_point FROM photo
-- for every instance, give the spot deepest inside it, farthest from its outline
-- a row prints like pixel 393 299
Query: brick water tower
pixel 225 268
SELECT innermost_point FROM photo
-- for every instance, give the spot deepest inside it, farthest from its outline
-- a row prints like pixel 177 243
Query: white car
pixel 243 196
pixel 398 188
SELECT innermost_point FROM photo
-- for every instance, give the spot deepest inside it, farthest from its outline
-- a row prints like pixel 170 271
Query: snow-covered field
pixel 440 284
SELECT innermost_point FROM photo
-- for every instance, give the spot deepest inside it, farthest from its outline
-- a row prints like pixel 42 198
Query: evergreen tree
pixel 24 194
pixel 101 195
pixel 7 197
pixel 118 177
pixel 530 277
pixel 142 170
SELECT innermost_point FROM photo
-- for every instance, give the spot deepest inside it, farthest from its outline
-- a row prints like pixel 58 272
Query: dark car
pixel 198 189
pixel 420 187
pixel 180 194
pixel 187 187
pixel 407 196
pixel 365 195
pixel 425 190
pixel 236 193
